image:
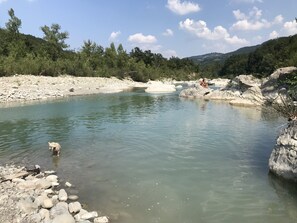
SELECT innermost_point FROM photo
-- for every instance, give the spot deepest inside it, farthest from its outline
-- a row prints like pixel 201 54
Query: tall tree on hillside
pixel 54 36
pixel 14 23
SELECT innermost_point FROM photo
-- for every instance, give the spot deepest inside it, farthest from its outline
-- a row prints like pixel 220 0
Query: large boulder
pixel 159 87
pixel 271 86
pixel 247 80
pixel 219 82
pixel 195 92
pixel 251 97
pixel 283 159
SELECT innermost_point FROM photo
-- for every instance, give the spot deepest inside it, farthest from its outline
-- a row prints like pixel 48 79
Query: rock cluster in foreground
pixel 283 159
pixel 32 197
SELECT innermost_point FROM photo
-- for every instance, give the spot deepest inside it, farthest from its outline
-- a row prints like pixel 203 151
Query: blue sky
pixel 171 27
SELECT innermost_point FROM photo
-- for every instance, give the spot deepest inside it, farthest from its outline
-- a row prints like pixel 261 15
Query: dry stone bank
pixel 31 196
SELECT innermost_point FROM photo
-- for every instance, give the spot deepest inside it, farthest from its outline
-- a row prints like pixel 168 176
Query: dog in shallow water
pixel 55 148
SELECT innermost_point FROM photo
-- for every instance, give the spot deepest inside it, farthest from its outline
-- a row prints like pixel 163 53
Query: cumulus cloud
pixel 145 42
pixel 278 19
pixel 253 20
pixel 200 29
pixel 168 32
pixel 142 39
pixel 273 35
pixel 291 27
pixel 182 8
pixel 114 36
pixel 239 15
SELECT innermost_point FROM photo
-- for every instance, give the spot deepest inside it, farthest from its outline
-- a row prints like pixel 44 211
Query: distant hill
pixel 260 60
pixel 221 57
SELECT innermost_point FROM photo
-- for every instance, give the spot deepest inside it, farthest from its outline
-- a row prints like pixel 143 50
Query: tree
pixel 54 36
pixel 122 57
pixel 111 56
pixel 14 23
pixel 92 54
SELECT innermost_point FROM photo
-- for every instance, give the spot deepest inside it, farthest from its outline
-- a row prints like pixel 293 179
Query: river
pixel 147 158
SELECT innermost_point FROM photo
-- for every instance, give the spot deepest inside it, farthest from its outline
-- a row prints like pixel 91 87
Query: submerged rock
pixel 283 159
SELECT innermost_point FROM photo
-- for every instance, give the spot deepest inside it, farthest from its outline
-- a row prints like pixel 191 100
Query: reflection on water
pixel 287 193
pixel 155 158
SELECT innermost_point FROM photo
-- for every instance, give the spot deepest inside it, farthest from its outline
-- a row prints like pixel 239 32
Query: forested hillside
pixel 26 54
pixel 260 60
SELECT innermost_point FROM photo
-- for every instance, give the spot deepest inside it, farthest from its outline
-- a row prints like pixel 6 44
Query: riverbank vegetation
pixel 50 56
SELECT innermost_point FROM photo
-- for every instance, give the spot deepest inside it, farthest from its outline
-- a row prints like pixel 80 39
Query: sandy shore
pixel 22 88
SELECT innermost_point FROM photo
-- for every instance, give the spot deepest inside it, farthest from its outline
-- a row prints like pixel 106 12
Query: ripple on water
pixel 155 158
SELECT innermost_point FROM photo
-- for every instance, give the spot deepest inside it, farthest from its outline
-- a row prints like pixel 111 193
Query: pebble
pixel 63 195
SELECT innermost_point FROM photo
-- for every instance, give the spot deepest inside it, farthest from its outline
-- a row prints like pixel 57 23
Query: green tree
pixel 122 57
pixel 111 56
pixel 56 40
pixel 92 54
pixel 54 36
pixel 14 23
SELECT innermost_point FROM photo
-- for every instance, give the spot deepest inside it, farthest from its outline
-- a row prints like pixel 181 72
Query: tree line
pixel 50 56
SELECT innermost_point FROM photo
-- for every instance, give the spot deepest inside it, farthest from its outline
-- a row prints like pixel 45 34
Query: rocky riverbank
pixel 28 88
pixel 22 88
pixel 283 159
pixel 32 196
pixel 245 90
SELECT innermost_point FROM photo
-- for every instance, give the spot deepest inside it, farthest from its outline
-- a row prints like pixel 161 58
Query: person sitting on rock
pixel 203 83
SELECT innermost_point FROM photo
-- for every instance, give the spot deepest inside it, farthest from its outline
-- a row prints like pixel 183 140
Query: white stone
pixel 102 219
pixel 52 178
pixel 160 87
pixel 73 197
pixel 89 215
pixel 47 203
pixel 43 184
pixel 63 195
pixel 63 218
pixel 67 184
pixel 44 213
pixel 58 209
pixel 74 207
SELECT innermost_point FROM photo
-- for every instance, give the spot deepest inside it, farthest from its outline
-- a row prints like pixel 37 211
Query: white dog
pixel 55 148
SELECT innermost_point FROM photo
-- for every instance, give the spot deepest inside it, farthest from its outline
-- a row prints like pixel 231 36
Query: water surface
pixel 156 158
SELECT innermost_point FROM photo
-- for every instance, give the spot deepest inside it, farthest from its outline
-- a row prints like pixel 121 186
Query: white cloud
pixel 1 1
pixel 114 36
pixel 291 27
pixel 253 21
pixel 182 8
pixel 148 42
pixel 168 32
pixel 278 19
pixel 200 29
pixel 239 15
pixel 247 1
pixel 273 35
pixel 250 25
pixel 142 39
